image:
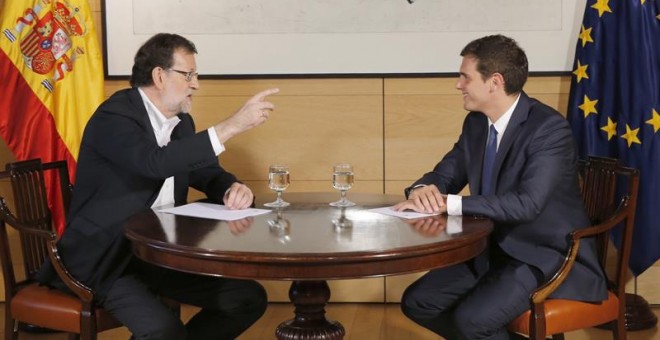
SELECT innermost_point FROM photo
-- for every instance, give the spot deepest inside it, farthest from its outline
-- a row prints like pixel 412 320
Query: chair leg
pixel 11 333
pixel 87 327
pixel 619 329
pixel 11 325
pixel 74 336
pixel 559 336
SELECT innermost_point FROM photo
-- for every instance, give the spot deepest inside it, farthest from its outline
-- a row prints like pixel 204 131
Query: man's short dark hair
pixel 499 54
pixel 158 51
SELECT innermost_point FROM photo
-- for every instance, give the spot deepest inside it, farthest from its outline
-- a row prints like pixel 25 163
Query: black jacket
pixel 120 172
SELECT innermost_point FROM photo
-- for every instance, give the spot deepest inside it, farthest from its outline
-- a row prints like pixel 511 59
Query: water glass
pixel 342 180
pixel 278 180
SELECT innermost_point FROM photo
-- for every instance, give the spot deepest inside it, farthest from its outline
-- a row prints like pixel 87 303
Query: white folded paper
pixel 213 211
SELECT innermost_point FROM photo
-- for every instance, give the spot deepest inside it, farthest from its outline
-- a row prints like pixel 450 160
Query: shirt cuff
pixel 454 205
pixel 218 148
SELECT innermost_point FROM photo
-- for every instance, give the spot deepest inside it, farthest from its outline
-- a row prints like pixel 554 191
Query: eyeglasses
pixel 188 75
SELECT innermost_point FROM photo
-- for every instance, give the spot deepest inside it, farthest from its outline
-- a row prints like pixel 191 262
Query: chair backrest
pixel 609 187
pixel 30 200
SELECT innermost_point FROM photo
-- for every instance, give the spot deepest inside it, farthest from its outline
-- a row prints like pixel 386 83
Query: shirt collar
pixel 502 123
pixel 157 119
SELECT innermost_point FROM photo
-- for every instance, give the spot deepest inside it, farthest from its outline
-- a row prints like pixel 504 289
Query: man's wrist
pixel 411 189
pixel 224 131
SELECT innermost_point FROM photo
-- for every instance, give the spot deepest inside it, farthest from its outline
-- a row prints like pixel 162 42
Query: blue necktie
pixel 489 161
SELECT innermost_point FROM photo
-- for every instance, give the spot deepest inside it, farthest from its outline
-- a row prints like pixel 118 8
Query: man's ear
pixel 497 81
pixel 157 76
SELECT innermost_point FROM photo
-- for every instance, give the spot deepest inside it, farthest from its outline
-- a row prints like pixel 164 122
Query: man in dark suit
pixel 140 150
pixel 518 158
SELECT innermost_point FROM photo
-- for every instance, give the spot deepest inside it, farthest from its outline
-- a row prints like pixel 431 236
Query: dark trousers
pixel 229 306
pixel 458 302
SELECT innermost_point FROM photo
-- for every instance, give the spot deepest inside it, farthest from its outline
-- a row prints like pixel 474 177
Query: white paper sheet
pixel 402 214
pixel 213 211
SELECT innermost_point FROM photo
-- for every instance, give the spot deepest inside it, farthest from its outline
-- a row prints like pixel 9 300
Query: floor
pixel 362 322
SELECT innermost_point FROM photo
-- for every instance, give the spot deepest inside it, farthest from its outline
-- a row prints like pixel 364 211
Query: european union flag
pixel 614 103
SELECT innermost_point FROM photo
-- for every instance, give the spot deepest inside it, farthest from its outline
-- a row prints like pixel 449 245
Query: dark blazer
pixel 120 172
pixel 536 201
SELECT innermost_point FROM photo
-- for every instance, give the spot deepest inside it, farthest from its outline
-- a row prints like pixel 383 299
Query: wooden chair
pixel 26 301
pixel 610 195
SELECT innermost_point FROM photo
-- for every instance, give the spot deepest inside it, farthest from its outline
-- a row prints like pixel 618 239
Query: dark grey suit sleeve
pixel 212 179
pixel 127 144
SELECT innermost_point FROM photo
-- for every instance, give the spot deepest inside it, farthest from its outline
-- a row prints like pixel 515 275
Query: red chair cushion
pixel 54 309
pixel 563 316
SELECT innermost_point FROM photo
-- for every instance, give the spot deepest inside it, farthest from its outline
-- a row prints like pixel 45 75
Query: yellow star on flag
pixel 585 35
pixel 588 106
pixel 655 121
pixel 610 128
pixel 631 136
pixel 602 6
pixel 581 71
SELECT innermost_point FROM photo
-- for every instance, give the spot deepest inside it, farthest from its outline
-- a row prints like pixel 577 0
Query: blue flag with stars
pixel 614 104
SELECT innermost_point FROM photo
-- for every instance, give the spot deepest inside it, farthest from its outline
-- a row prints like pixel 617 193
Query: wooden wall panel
pixel 362 290
pixel 397 284
pixel 295 87
pixel 260 188
pixel 309 133
pixel 419 130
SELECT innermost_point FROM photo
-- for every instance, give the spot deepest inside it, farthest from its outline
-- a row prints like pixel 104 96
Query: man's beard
pixel 186 105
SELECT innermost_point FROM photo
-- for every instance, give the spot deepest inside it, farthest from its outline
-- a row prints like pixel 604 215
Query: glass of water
pixel 342 180
pixel 278 180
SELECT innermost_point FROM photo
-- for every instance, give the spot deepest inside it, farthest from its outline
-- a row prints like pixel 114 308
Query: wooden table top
pixel 308 240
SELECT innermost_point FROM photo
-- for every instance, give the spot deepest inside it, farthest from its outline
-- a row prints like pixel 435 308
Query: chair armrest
pixel 11 219
pixel 619 215
pixel 81 290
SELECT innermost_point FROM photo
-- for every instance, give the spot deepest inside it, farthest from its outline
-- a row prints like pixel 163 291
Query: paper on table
pixel 402 214
pixel 213 211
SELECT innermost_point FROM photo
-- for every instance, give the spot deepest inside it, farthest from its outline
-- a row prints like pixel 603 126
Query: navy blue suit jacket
pixel 120 172
pixel 535 201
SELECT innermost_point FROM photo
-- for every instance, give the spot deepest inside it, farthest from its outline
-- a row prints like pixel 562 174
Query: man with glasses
pixel 140 150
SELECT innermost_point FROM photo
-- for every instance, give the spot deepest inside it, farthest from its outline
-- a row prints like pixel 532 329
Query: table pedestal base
pixel 309 298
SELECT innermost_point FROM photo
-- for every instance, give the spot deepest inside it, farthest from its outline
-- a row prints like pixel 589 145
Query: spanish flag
pixel 51 81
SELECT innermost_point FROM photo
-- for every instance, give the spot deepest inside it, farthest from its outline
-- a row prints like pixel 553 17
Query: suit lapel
pixel 519 116
pixel 477 148
pixel 142 117
pixel 186 127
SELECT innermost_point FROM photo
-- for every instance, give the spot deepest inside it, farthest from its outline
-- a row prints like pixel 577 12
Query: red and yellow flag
pixel 51 81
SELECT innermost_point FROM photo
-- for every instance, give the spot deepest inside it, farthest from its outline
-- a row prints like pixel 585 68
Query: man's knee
pixel 410 304
pixel 415 305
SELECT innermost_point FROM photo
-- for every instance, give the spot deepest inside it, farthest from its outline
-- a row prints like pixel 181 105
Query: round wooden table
pixel 308 243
